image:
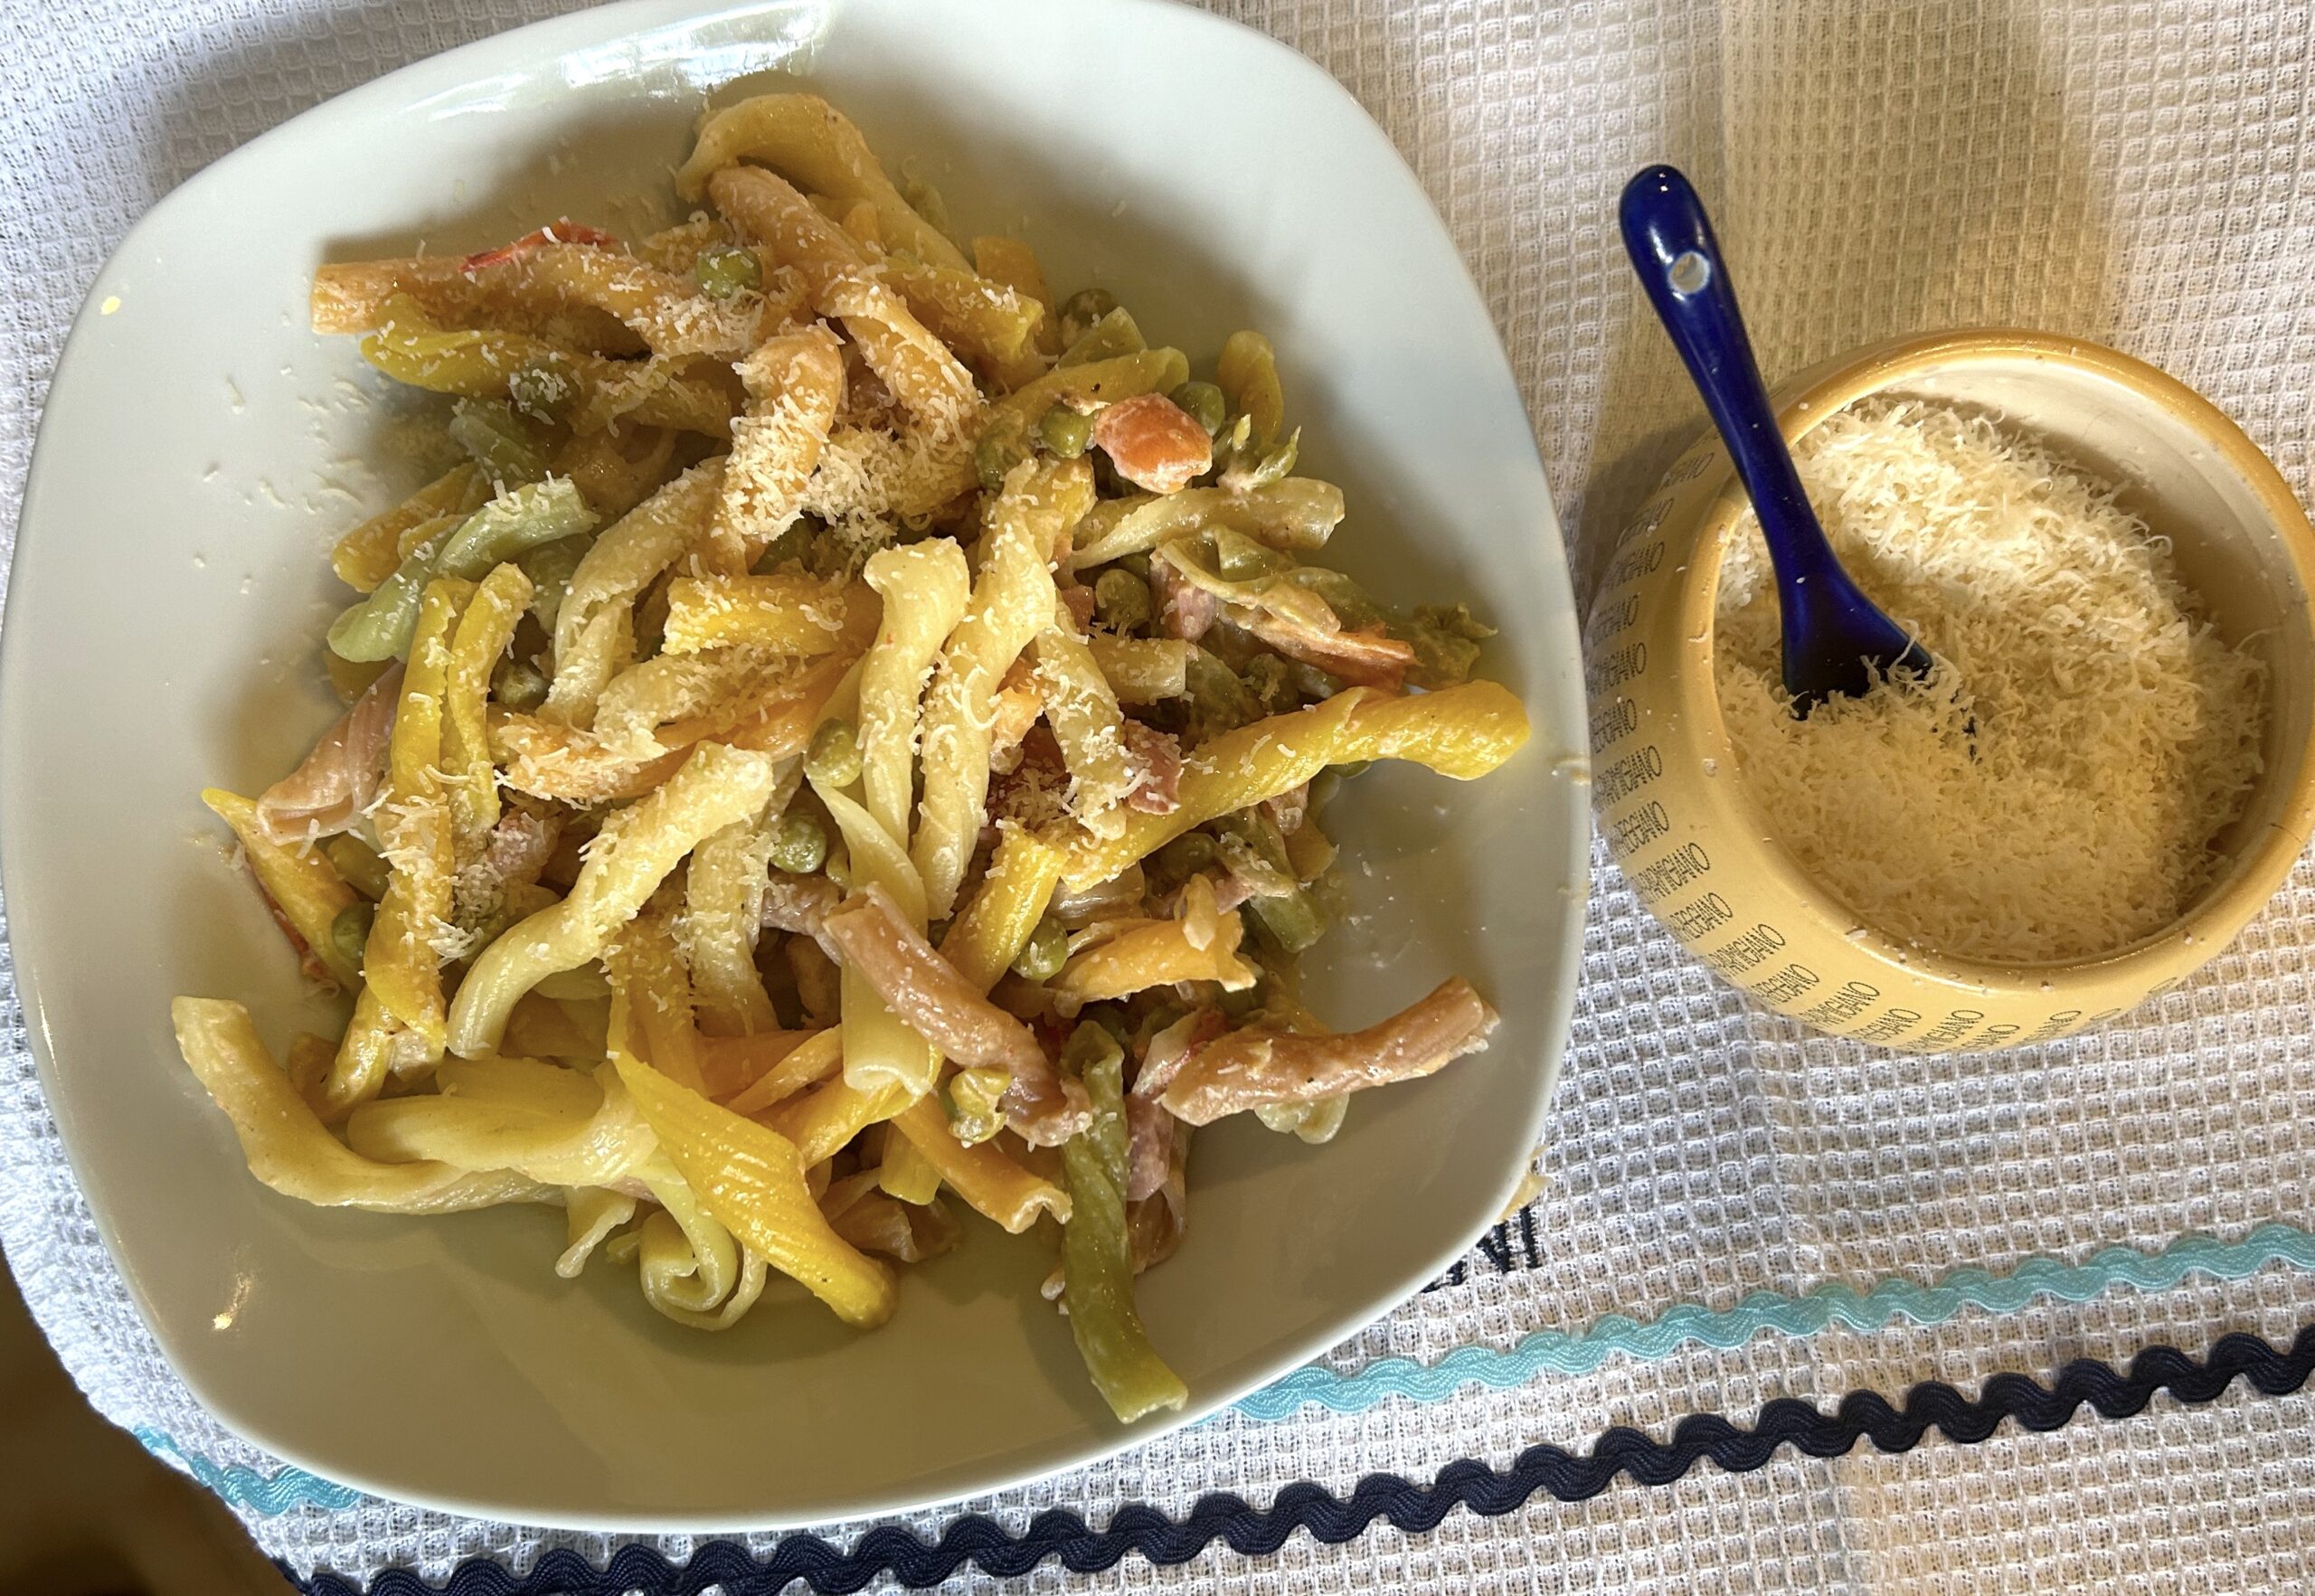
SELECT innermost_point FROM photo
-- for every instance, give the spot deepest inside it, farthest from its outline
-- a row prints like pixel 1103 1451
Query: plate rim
pixel 551 37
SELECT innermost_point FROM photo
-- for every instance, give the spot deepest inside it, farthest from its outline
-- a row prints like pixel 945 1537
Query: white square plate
pixel 201 449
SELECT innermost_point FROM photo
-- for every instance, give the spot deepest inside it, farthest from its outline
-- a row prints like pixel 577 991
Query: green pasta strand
pixel 380 627
pixel 1097 1255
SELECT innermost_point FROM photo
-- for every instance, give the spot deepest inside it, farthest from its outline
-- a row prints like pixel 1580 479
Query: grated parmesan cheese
pixel 2050 791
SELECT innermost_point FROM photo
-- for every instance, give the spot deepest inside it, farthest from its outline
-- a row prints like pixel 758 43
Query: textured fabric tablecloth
pixel 1771 1216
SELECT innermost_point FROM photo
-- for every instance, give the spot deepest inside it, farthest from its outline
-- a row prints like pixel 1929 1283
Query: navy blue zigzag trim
pixel 1412 1508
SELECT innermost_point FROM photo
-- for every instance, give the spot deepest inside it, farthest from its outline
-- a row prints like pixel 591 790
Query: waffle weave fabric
pixel 2139 171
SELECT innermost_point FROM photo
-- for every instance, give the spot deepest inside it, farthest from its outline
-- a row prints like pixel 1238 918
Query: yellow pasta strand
pixel 1012 602
pixel 929 381
pixel 651 1000
pixel 924 587
pixel 707 692
pixel 1247 372
pixel 522 1121
pixel 302 882
pixel 1462 732
pixel 813 1061
pixel 1297 514
pixel 795 383
pixel 785 612
pixel 822 1121
pixel 624 560
pixel 810 141
pixel 1083 711
pixel 401 962
pixel 722 910
pixel 483 634
pixel 988 934
pixel 881 1050
pixel 1099 382
pixel 632 854
pixel 1143 670
pixel 989 1182
pixel 907 1173
pixel 751 1179
pixel 983 321
pixel 368 555
pixel 287 1146
pixel 1200 946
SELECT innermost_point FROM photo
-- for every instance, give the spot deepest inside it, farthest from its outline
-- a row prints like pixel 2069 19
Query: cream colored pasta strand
pixel 880 1049
pixel 1083 713
pixel 795 382
pixel 722 913
pixel 632 854
pixel 623 560
pixel 1012 602
pixel 925 588
pixel 289 1147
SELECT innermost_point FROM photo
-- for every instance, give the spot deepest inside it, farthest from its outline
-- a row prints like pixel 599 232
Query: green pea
pixel 1121 599
pixel 834 758
pixel 1186 855
pixel 974 1103
pixel 1266 673
pixel 1111 1018
pixel 1204 404
pixel 542 390
pixel 520 684
pixel 793 546
pixel 1237 1005
pixel 1043 955
pixel 800 846
pixel 1004 445
pixel 1081 309
pixel 724 270
pixel 349 933
pixel 1064 432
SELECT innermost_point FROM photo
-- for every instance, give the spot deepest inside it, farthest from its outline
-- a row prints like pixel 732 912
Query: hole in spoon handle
pixel 1669 237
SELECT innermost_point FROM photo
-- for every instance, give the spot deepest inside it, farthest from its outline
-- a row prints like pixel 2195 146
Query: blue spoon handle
pixel 1672 248
pixel 1833 637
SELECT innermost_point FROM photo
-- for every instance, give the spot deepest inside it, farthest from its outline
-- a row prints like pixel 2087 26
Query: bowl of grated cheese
pixel 2104 778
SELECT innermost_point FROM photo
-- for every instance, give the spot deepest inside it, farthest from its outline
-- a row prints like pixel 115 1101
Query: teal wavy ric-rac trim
pixel 1578 1352
pixel 266 1495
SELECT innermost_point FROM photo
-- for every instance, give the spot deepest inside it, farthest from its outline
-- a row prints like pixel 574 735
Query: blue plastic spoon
pixel 1835 639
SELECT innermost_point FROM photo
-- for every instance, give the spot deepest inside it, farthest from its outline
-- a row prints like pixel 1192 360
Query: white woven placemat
pixel 2139 172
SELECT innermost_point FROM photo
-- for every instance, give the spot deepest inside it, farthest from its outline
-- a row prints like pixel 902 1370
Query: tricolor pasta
pixel 847 743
